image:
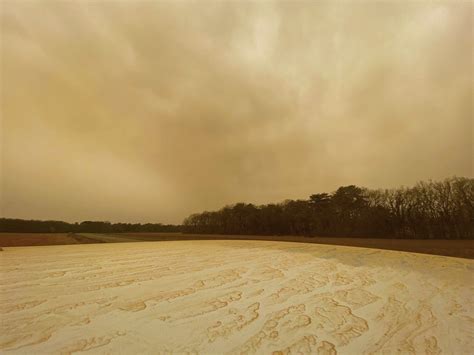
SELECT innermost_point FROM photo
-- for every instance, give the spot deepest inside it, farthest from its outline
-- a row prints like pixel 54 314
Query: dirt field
pixel 233 297
pixel 456 248
pixel 31 239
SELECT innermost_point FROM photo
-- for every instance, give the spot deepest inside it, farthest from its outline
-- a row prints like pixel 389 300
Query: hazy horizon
pixel 150 111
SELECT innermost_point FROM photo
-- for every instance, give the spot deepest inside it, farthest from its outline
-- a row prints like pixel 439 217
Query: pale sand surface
pixel 233 297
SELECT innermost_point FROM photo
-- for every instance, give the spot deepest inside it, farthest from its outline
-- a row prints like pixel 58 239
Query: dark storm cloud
pixel 144 111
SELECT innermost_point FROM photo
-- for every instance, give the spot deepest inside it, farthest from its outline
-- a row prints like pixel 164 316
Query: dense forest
pixel 429 210
pixel 32 226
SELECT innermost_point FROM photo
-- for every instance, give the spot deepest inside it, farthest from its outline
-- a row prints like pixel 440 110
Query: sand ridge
pixel 233 297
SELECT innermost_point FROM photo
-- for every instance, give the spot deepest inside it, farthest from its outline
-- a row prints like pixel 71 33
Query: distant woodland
pixel 32 226
pixel 428 210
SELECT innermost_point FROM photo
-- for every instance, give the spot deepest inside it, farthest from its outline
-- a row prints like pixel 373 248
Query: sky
pixel 148 111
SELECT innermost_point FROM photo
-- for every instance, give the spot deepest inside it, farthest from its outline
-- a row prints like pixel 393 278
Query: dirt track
pixel 233 296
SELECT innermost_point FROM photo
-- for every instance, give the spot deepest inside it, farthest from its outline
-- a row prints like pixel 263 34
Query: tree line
pixel 33 226
pixel 428 210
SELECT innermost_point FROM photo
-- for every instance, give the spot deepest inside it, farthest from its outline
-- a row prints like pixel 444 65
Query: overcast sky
pixel 149 111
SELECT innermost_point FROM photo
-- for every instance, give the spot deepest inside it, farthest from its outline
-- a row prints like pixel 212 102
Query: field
pixel 456 248
pixel 31 239
pixel 233 297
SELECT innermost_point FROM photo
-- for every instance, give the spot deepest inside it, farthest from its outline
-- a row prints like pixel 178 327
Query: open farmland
pixel 456 248
pixel 43 239
pixel 233 296
pixel 34 239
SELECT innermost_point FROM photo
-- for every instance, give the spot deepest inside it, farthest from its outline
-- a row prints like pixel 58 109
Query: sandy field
pixel 233 297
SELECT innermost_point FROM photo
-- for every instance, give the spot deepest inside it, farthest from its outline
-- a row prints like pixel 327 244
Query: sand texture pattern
pixel 252 297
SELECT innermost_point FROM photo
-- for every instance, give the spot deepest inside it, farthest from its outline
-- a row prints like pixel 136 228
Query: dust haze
pixel 148 111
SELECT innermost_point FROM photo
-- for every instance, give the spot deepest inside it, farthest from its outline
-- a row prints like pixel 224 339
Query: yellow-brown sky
pixel 148 111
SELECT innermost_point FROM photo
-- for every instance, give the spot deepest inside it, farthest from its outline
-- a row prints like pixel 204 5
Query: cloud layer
pixel 148 111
